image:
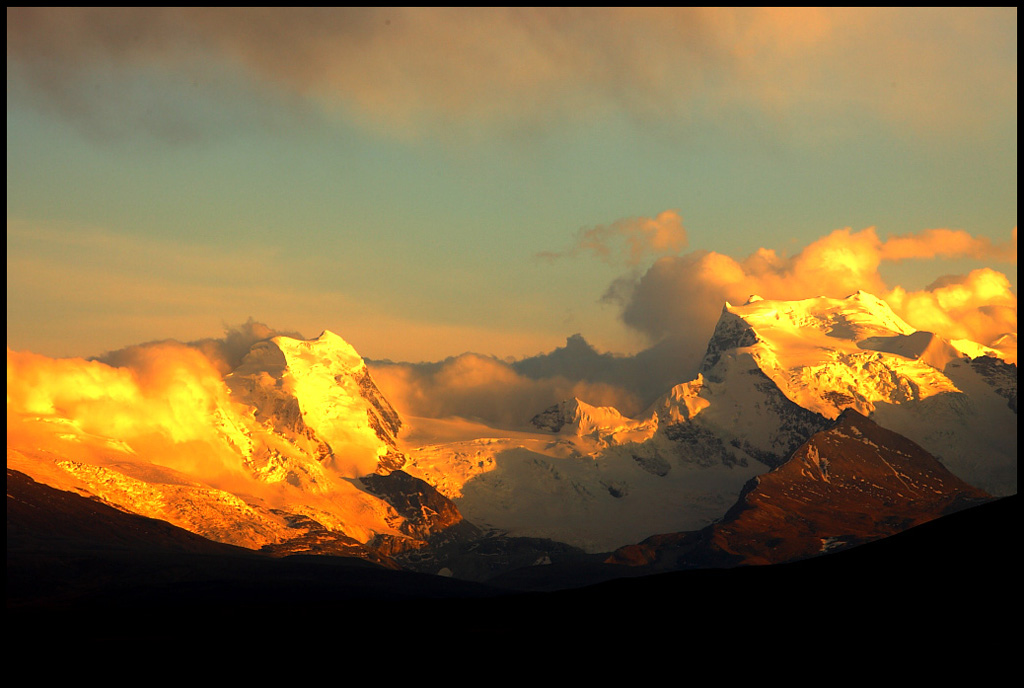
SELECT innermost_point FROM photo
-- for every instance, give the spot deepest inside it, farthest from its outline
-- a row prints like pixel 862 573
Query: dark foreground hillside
pixel 78 569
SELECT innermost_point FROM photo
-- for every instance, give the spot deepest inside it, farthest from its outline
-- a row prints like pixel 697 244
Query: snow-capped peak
pixel 680 404
pixel 328 349
pixel 829 354
pixel 855 317
pixel 319 389
pixel 577 417
pixel 603 424
pixel 285 432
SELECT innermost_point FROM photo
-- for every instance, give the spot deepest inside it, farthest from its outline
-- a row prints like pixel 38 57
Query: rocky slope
pixel 850 484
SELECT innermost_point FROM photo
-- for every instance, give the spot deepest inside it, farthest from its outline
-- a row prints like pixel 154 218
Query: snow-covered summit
pixel 826 355
pixel 328 348
pixel 681 403
pixel 830 354
pixel 319 390
pixel 287 431
pixel 856 317
pixel 601 424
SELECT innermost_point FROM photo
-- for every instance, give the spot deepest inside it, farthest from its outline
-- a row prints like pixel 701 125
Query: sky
pixel 429 182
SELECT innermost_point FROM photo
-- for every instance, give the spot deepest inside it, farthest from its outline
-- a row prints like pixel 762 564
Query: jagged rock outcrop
pixel 423 510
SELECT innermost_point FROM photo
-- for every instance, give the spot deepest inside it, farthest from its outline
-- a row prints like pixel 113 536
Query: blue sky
pixel 397 176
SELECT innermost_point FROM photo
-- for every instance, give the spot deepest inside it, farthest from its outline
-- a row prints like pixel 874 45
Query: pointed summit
pixel 580 419
pixel 320 390
pixel 330 337
pixel 329 348
pixel 826 355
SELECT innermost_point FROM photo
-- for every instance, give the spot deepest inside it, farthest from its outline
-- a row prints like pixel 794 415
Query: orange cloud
pixel 947 243
pixel 636 237
pixel 979 306
pixel 682 296
pixel 163 400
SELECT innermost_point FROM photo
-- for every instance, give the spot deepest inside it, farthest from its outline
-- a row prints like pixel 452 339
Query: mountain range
pixel 812 426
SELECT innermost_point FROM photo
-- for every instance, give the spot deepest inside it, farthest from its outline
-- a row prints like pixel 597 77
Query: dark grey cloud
pixel 225 353
pixel 408 71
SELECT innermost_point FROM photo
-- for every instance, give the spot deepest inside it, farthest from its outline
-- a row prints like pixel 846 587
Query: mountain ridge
pixel 313 457
pixel 851 483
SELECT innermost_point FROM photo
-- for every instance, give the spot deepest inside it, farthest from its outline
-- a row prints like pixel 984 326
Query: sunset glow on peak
pixel 605 265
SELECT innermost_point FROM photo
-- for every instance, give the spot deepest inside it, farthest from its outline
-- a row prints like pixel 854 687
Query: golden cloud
pixel 633 239
pixel 682 296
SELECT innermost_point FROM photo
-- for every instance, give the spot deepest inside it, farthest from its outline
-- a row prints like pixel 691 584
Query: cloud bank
pixel 171 387
pixel 224 353
pixel 681 297
pixel 166 388
pixel 406 70
pixel 160 402
pixel 485 389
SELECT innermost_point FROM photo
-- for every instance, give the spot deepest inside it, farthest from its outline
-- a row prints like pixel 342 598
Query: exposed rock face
pixel 731 332
pixel 847 485
pixel 600 423
pixel 313 538
pixel 704 446
pixel 1000 375
pixel 552 419
pixel 853 483
pixel 381 415
pixel 423 509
